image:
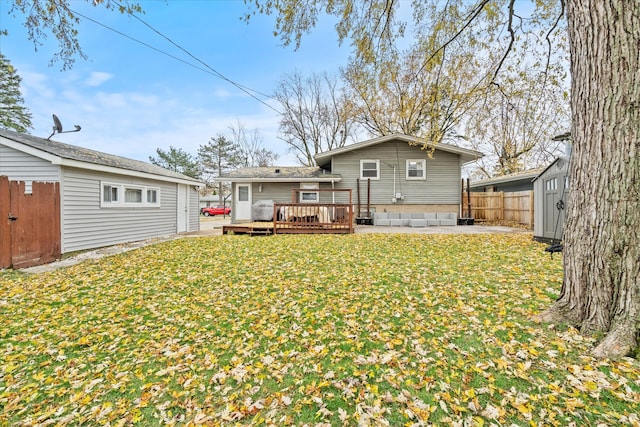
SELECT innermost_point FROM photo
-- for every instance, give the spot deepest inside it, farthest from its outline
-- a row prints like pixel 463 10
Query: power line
pixel 208 69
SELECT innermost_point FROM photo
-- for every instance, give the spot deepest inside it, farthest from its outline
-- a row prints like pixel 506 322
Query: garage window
pixel 124 195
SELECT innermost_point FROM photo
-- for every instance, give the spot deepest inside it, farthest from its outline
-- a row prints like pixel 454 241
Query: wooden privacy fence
pixel 500 206
pixel 29 223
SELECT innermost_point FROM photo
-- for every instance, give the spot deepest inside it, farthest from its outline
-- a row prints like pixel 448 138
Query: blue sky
pixel 130 100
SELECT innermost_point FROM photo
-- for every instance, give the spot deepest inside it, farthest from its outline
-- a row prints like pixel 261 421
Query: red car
pixel 215 210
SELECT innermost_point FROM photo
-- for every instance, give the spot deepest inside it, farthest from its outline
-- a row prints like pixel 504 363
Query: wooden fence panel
pixel 5 225
pixel 516 207
pixel 31 222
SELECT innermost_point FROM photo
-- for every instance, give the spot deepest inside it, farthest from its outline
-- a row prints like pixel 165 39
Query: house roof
pixel 513 177
pixel 83 158
pixel 558 159
pixel 280 174
pixel 465 154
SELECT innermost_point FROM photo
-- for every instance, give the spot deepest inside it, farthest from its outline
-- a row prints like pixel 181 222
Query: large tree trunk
pixel 601 289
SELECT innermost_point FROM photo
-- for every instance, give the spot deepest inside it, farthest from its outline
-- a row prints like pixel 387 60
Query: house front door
pixel 243 202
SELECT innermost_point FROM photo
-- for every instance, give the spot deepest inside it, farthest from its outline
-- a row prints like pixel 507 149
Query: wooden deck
pixel 268 228
pixel 252 228
pixel 305 214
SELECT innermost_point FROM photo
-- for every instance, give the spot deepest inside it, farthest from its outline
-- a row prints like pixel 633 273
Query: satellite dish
pixel 57 127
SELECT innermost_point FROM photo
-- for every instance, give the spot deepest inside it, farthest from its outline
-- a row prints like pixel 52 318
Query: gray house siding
pixel 440 187
pixel 19 166
pixel 86 224
pixel 280 192
pixel 538 208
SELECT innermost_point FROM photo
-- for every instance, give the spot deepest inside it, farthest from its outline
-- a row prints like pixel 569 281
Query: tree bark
pixel 601 289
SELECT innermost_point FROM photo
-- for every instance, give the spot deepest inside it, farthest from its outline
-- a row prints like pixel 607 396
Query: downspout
pixel 393 196
pixel 333 194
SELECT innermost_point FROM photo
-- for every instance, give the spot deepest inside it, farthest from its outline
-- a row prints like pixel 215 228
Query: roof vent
pixel 277 170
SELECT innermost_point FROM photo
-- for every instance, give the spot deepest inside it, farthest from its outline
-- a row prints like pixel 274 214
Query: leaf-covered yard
pixel 293 330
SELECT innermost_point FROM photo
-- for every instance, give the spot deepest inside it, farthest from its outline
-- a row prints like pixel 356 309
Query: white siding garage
pixel 105 199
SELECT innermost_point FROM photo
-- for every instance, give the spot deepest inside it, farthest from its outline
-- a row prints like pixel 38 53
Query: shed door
pixel 243 202
pixel 554 207
pixel 183 203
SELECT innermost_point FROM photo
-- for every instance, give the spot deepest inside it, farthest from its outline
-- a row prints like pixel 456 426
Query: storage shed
pixel 551 193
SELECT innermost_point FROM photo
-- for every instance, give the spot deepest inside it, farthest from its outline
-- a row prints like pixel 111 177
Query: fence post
pixel 531 208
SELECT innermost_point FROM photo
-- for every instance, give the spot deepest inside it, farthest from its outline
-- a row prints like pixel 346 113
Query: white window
pixel 370 169
pixel 152 196
pixel 552 184
pixel 309 196
pixel 243 193
pixel 124 195
pixel 133 195
pixel 110 194
pixel 416 169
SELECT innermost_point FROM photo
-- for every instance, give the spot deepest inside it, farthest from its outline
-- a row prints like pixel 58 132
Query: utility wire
pixel 208 69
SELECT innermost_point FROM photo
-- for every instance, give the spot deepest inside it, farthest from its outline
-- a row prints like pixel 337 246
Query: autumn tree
pixel 316 116
pixel 177 160
pixel 404 95
pixel 13 114
pixel 43 17
pixel 601 290
pixel 218 156
pixel 515 124
pixel 249 146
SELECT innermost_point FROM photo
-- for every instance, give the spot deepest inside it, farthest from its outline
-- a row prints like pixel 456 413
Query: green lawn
pixel 292 330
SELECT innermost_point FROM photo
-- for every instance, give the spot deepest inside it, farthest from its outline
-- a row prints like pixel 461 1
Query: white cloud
pixel 97 78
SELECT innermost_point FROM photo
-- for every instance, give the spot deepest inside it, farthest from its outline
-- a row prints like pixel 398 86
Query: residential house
pixel 393 173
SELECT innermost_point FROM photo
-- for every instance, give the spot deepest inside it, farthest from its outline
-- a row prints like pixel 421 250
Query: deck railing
pixel 312 218
pixel 311 212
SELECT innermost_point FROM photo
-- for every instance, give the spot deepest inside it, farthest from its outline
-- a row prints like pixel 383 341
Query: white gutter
pixel 253 179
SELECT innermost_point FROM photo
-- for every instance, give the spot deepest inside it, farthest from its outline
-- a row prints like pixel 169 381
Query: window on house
pixel 370 169
pixel 109 193
pixel 416 169
pixel 119 195
pixel 309 196
pixel 133 195
pixel 243 193
pixel 552 184
pixel 152 196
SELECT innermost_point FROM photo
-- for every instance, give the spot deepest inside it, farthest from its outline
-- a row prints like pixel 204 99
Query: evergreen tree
pixel 177 160
pixel 218 156
pixel 13 114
